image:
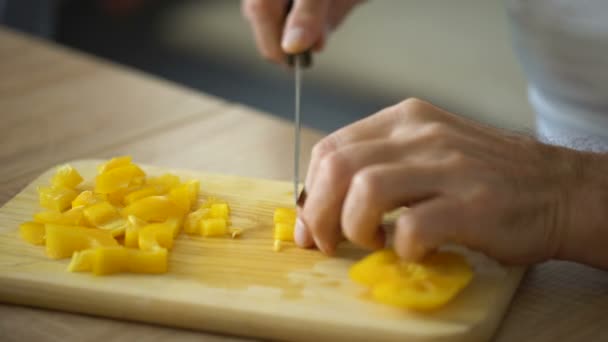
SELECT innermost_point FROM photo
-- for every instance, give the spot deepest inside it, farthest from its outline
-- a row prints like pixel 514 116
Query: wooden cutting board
pixel 242 286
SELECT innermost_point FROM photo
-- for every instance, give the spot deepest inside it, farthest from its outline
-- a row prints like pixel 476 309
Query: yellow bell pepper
pixel 32 232
pixel 82 260
pixel 114 163
pixel 72 217
pixel 145 191
pixel 67 177
pixel 424 285
pixel 62 241
pixel 109 260
pixel 87 198
pixel 164 182
pixel 118 178
pixel 192 222
pixel 156 235
pixel 284 226
pixel 219 210
pixel 213 227
pixel 56 198
pixel 134 225
pixel 152 209
pixel 100 213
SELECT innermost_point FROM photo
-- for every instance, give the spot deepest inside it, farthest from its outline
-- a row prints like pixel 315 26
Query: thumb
pixel 305 25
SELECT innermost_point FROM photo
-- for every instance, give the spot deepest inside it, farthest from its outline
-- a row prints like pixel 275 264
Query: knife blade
pixel 299 62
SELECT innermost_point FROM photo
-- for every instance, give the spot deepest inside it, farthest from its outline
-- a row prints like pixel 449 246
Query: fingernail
pixel 293 39
pixel 300 234
pixel 302 198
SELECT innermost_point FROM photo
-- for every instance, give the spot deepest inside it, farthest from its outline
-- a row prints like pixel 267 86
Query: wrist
pixel 583 193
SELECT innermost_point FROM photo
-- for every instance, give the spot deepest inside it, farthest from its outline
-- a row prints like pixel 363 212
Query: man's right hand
pixel 307 25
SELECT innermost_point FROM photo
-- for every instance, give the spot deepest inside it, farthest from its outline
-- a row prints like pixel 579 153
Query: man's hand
pixel 306 26
pixel 506 195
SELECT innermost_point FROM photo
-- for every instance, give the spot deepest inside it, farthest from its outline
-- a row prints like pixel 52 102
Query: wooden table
pixel 57 105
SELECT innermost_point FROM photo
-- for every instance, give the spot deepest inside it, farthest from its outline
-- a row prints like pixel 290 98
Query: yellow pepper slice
pixel 100 213
pixel 87 198
pixel 192 222
pixel 283 231
pixel 284 215
pixel 148 190
pixel 109 260
pixel 164 182
pixel 213 227
pixel 134 225
pixel 32 232
pixel 152 209
pixel 114 163
pixel 56 198
pixel 156 235
pixel 62 241
pixel 219 210
pixel 118 178
pixel 72 217
pixel 66 176
pixel 424 285
pixel 284 226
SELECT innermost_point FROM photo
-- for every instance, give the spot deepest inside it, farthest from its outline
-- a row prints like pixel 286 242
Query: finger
pixel 305 25
pixel 266 18
pixel 321 212
pixel 427 226
pixel 376 126
pixel 377 189
pixel 339 10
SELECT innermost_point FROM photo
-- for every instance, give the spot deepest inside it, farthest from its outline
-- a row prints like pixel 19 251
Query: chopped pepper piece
pixel 284 226
pixel 192 222
pixel 118 178
pixel 148 190
pixel 213 227
pixel 32 232
pixel 66 176
pixel 87 198
pixel 114 163
pixel 56 198
pixel 72 217
pixel 164 182
pixel 219 210
pixel 156 235
pixel 82 260
pixel 134 225
pixel 152 209
pixel 109 260
pixel 424 285
pixel 62 241
pixel 100 213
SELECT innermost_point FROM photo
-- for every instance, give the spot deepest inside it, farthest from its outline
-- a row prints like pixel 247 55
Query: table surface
pixel 58 105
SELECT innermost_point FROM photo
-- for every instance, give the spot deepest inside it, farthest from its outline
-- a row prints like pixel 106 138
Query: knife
pixel 298 62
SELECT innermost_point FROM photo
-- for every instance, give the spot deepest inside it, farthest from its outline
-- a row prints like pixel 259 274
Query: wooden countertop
pixel 58 105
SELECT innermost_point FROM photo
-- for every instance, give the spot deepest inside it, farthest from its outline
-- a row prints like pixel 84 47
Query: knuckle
pixel 409 230
pixel 334 165
pixel 456 159
pixel 367 184
pixel 413 105
pixel 323 148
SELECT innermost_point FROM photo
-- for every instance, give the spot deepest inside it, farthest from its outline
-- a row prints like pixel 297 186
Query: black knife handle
pixel 305 58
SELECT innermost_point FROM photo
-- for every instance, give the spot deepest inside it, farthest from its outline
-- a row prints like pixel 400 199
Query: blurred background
pixel 456 54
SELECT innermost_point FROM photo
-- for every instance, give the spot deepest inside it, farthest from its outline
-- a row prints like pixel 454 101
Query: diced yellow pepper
pixel 118 178
pixel 156 235
pixel 62 241
pixel 175 223
pixel 181 197
pixel 213 227
pixel 82 261
pixel 164 182
pixel 109 260
pixel 87 198
pixel 116 227
pixel 148 190
pixel 194 187
pixel 219 210
pixel 152 261
pixel 423 285
pixel 285 215
pixel 117 198
pixel 114 163
pixel 283 231
pixel 56 198
pixel 72 217
pixel 211 200
pixel 66 176
pixel 152 209
pixel 100 213
pixel 134 225
pixel 32 232
pixel 191 224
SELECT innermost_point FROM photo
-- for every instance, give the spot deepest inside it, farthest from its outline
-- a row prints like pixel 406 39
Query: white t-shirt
pixel 563 49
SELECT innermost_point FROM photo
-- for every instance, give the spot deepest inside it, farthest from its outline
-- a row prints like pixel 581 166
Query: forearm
pixel 583 233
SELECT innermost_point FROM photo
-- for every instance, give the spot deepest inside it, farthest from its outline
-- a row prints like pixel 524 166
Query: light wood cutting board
pixel 241 286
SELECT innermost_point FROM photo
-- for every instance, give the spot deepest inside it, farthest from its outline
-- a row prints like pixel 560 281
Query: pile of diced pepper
pixel 126 223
